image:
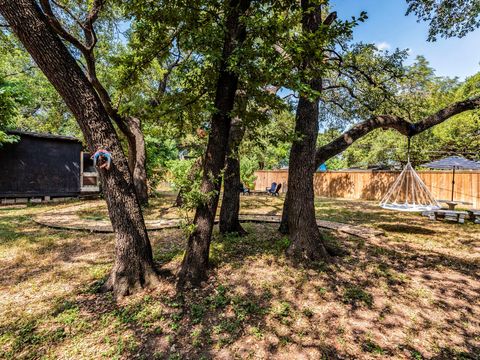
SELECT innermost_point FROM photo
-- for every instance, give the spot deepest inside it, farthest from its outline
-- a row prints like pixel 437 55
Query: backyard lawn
pixel 411 294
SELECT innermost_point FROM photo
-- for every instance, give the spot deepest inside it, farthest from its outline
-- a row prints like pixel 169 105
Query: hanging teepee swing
pixel 408 192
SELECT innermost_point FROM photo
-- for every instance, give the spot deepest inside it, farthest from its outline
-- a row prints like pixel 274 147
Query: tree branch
pixel 67 11
pixel 88 54
pixel 162 86
pixel 404 127
pixel 92 16
pixel 58 27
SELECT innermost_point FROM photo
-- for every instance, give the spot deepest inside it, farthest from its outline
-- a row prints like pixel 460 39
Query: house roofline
pixel 43 135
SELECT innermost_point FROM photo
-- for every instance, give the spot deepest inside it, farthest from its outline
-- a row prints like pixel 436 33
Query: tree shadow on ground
pixel 409 229
pixel 385 298
pixel 275 308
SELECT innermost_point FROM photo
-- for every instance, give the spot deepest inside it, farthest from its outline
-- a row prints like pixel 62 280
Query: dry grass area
pixel 414 294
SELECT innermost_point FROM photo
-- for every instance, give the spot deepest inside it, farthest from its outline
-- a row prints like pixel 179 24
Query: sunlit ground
pixel 412 294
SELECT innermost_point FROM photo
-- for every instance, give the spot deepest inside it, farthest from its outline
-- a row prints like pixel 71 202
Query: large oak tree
pixel 133 268
pixel 353 82
pixel 306 240
pixel 195 262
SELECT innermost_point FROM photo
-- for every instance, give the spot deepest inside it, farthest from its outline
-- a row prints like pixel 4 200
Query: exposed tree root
pixel 123 283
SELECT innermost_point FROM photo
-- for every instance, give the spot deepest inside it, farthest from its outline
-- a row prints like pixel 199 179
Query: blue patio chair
pixel 272 188
pixel 277 190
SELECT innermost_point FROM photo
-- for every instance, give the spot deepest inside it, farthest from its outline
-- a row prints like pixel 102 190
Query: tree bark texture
pixel 306 239
pixel 195 262
pixel 133 268
pixel 283 228
pixel 230 209
pixel 137 158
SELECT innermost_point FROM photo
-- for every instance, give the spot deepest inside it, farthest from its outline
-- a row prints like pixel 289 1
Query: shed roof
pixel 42 135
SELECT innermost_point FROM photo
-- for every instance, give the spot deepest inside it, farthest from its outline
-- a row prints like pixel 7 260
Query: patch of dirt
pixel 412 294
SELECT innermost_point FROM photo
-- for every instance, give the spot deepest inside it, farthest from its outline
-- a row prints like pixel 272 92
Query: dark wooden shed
pixel 40 165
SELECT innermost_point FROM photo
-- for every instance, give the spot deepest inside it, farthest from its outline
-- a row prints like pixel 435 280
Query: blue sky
pixel 389 28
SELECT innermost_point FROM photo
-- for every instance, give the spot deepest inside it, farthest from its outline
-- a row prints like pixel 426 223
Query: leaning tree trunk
pixel 306 239
pixel 229 222
pixel 195 262
pixel 134 267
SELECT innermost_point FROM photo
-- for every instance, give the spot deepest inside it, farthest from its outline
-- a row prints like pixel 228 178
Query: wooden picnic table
pixel 452 204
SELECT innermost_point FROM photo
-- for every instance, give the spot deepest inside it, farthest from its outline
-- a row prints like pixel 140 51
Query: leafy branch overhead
pixel 447 18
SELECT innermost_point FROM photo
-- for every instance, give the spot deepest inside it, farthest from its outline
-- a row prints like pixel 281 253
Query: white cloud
pixel 383 46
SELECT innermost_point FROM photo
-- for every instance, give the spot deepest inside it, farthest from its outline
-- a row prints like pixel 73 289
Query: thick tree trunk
pixel 229 222
pixel 134 267
pixel 306 239
pixel 195 262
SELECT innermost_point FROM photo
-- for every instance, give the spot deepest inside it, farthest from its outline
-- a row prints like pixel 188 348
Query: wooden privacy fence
pixel 372 185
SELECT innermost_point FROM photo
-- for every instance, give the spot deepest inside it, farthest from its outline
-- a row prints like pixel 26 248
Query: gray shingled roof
pixel 451 162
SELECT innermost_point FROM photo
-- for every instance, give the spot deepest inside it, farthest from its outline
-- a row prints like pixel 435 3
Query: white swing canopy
pixel 409 193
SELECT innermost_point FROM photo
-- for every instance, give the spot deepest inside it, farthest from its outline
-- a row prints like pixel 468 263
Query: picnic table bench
pixel 258 192
pixel 453 215
pixel 261 192
pixel 475 216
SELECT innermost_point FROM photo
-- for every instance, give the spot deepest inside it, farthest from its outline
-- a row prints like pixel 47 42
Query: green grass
pixel 417 281
pixel 355 295
pixel 372 347
pixel 93 214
